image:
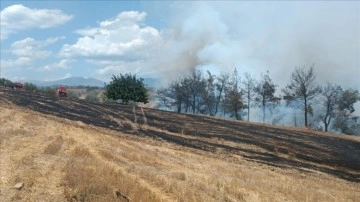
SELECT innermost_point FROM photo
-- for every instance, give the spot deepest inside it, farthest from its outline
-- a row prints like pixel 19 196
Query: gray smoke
pixel 264 36
pixel 257 37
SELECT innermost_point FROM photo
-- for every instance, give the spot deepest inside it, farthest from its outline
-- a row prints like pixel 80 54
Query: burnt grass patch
pixel 308 149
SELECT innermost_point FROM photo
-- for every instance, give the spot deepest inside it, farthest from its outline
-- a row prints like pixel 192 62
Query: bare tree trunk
pixel 218 101
pixel 327 120
pixel 179 107
pixel 326 126
pixel 264 108
pixel 306 109
pixel 193 104
pixel 248 107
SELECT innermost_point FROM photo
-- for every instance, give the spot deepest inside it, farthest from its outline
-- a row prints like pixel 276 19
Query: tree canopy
pixel 127 88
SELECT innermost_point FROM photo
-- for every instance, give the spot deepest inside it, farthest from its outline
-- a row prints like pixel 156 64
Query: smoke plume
pixel 263 36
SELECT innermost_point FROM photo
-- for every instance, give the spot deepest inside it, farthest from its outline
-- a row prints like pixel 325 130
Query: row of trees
pixel 91 94
pixel 212 94
pixel 29 87
pixel 228 95
pixel 5 82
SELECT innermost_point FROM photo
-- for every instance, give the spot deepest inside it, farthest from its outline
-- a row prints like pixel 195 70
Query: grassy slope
pixel 61 159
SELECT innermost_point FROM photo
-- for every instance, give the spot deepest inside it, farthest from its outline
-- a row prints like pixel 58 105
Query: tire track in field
pixel 90 143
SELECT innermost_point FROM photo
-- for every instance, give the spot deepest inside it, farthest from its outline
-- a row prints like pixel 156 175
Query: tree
pixel 220 88
pixel 5 82
pixel 331 95
pixel 30 87
pixel 195 86
pixel 303 87
pixel 233 97
pixel 344 119
pixel 265 90
pixel 209 97
pixel 164 96
pixel 127 88
pixel 348 99
pixel 249 90
pixel 177 95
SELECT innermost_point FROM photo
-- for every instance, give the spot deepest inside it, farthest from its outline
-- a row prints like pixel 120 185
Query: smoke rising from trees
pixel 256 37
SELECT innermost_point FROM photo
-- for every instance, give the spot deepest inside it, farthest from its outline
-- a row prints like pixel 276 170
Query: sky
pixel 50 40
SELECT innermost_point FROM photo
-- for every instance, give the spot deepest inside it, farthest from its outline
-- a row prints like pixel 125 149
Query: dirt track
pixel 280 147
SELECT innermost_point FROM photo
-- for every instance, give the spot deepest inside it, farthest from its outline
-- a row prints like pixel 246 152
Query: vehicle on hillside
pixel 61 92
pixel 17 86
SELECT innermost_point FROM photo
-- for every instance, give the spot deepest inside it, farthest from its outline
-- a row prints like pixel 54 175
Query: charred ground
pixel 281 147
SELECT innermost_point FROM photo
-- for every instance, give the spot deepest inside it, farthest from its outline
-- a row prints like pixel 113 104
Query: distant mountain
pixel 71 81
pixel 80 81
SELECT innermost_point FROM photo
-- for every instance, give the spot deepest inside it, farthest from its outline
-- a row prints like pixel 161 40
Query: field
pixel 72 150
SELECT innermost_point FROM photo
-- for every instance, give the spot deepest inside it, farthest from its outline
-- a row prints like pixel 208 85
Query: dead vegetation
pixel 54 147
pixel 87 163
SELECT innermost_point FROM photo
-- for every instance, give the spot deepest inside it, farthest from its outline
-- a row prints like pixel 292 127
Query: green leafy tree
pixel 344 118
pixel 127 88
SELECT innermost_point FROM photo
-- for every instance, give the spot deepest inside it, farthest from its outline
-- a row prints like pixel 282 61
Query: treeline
pixel 30 87
pixel 235 96
pixel 92 92
pixel 5 82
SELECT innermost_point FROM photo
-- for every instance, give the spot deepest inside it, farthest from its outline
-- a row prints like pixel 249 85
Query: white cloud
pixel 107 68
pixel 62 64
pixel 29 47
pixel 28 50
pixel 18 62
pixel 120 38
pixel 17 17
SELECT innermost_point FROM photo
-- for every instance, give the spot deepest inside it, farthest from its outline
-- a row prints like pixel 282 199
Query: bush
pixel 91 96
pixel 127 88
pixel 73 94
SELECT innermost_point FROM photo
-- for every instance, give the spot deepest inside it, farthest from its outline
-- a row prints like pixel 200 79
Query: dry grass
pixel 54 147
pixel 88 179
pixel 87 164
